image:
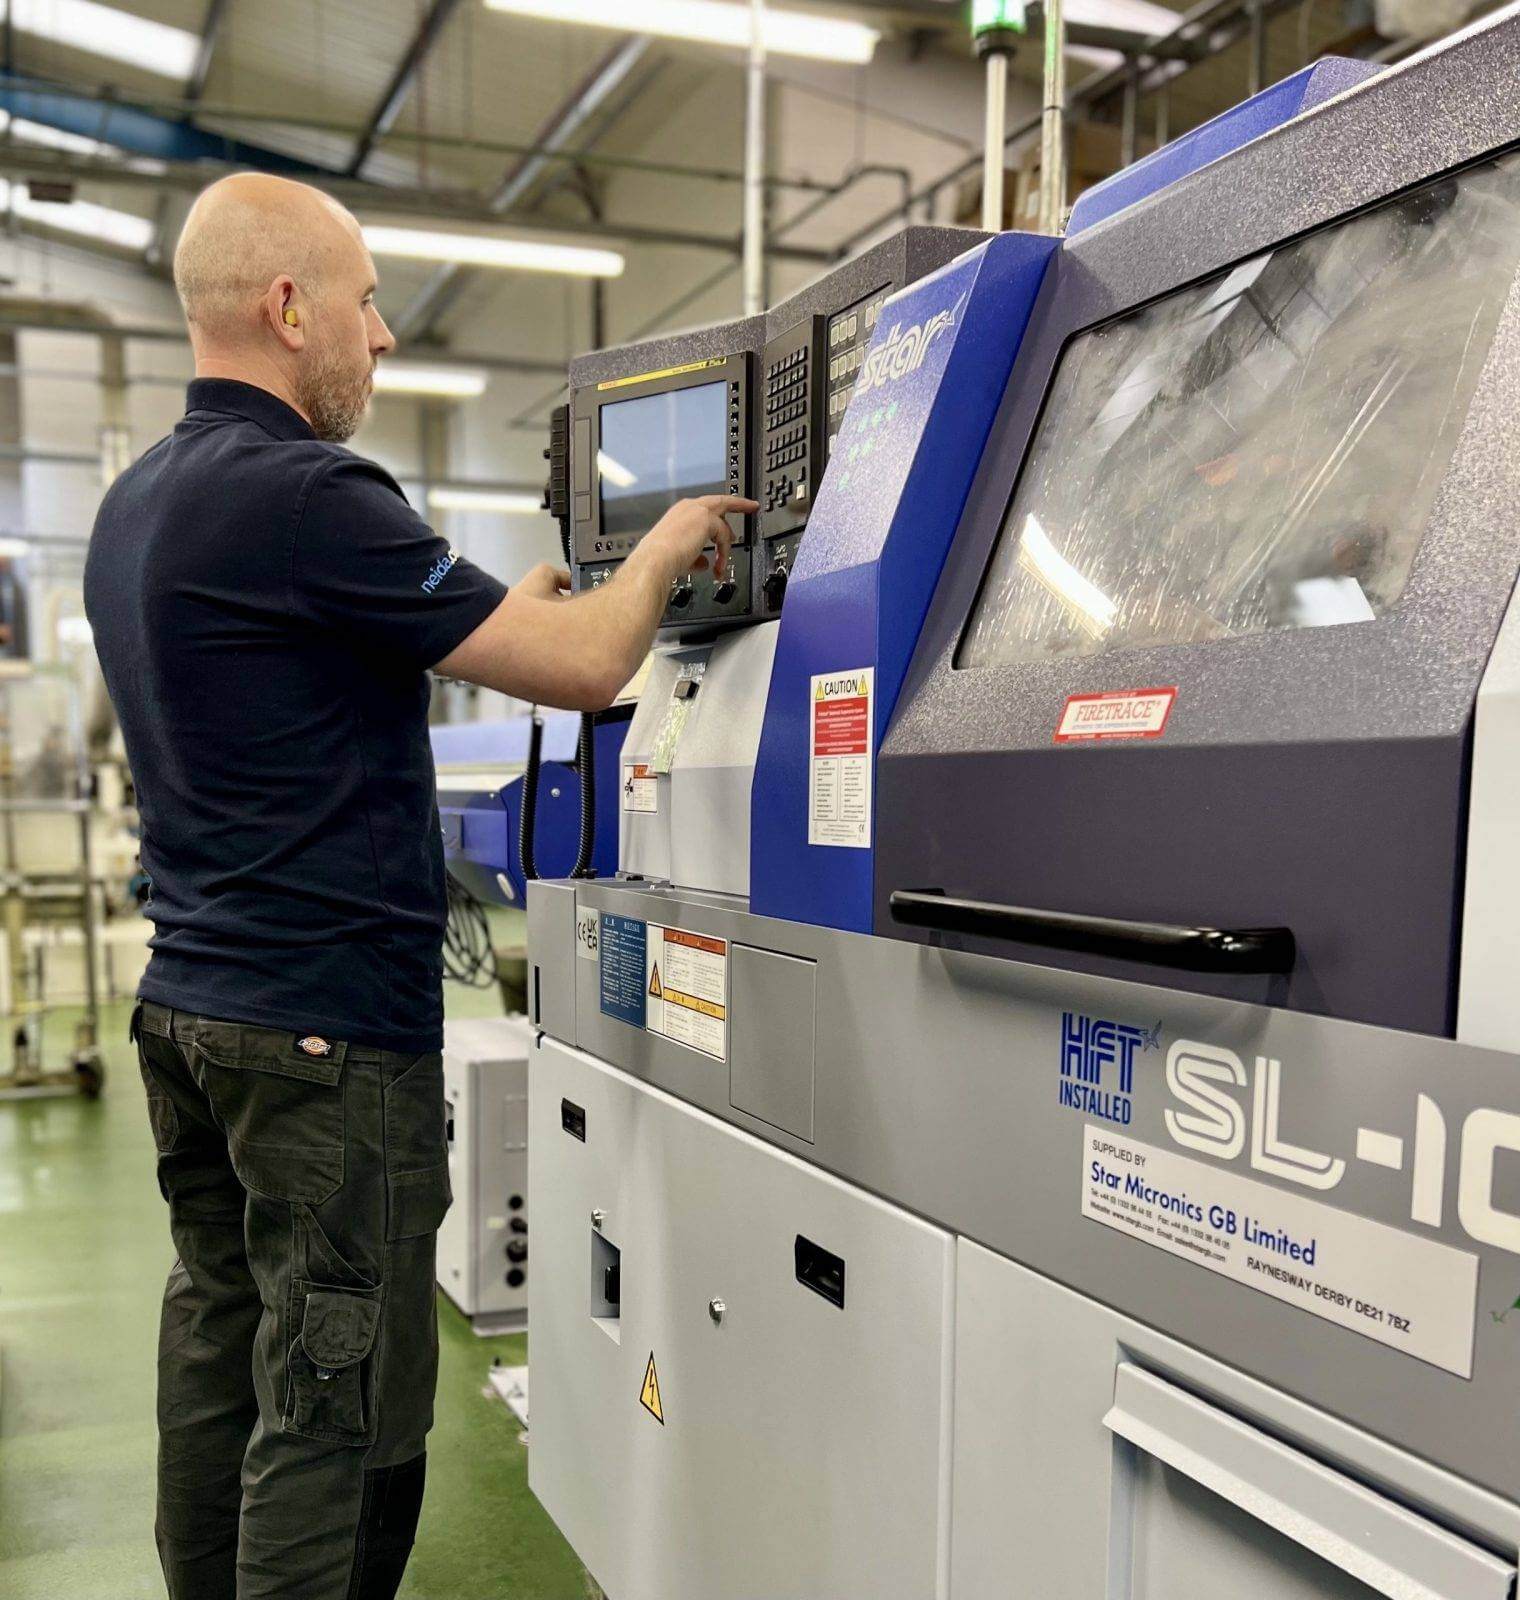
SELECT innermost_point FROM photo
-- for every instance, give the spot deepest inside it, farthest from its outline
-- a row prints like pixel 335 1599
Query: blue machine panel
pixel 1218 137
pixel 883 521
pixel 480 829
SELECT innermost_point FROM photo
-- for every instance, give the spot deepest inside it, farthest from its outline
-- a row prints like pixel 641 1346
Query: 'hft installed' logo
pixel 1093 1051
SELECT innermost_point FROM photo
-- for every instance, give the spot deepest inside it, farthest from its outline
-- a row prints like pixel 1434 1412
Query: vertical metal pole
pixel 1053 128
pixel 996 132
pixel 754 167
pixel 1130 137
pixel 1258 47
pixel 1163 116
pixel 115 432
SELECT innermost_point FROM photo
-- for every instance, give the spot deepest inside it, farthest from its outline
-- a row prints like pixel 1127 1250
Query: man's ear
pixel 285 313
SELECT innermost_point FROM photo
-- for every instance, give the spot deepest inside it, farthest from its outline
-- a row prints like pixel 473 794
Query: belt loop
pixel 134 1027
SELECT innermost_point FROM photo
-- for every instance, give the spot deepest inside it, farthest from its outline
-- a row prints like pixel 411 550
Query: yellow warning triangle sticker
pixel 656 990
pixel 649 1397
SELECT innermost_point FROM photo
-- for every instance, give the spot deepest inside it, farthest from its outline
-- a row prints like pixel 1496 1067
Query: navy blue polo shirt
pixel 265 608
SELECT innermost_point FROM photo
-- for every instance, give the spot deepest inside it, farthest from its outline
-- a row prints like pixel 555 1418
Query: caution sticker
pixel 641 787
pixel 649 1395
pixel 1124 714
pixel 686 989
pixel 839 759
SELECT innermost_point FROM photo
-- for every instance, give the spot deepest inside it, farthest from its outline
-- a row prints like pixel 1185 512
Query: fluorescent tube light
pixel 510 500
pixel 614 471
pixel 786 33
pixel 449 383
pixel 83 217
pixel 493 250
pixel 105 31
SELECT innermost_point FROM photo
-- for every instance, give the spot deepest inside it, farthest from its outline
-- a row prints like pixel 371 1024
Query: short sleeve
pixel 365 563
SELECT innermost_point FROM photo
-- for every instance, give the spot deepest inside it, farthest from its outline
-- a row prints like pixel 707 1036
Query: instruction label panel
pixel 623 943
pixel 686 989
pixel 641 787
pixel 1126 714
pixel 1413 1294
pixel 839 764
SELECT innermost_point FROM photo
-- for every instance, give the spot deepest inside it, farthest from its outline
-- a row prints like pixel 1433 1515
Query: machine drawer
pixel 1147 1471
pixel 741 1379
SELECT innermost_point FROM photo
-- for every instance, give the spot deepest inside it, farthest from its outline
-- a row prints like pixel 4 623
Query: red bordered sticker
pixel 1123 714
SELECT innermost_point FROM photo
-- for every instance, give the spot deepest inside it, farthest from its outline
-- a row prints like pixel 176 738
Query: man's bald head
pixel 278 288
pixel 244 232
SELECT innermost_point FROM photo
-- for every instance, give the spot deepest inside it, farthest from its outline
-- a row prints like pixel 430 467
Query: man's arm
pixel 578 653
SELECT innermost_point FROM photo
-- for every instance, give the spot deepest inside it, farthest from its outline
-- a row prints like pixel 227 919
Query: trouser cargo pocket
pixel 331 1394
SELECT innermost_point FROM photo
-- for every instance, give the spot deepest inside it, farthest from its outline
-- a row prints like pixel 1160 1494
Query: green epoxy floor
pixel 84 1250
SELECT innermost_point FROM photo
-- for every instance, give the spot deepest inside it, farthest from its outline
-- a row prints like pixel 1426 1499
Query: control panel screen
pixel 659 449
pixel 1260 451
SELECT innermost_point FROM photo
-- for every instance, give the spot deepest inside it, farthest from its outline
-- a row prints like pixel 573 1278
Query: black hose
pixel 468 954
pixel 529 815
pixel 585 760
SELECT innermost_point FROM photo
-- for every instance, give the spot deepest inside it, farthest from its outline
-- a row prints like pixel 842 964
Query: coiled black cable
pixel 469 957
pixel 529 815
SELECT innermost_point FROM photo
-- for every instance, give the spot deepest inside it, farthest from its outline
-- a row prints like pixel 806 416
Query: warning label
pixel 641 788
pixel 686 989
pixel 1413 1294
pixel 1126 714
pixel 839 765
pixel 649 1395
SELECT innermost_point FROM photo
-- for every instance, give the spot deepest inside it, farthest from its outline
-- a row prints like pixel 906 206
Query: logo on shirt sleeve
pixel 440 570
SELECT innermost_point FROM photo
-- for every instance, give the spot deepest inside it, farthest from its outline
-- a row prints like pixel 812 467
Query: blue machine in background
pixel 481 776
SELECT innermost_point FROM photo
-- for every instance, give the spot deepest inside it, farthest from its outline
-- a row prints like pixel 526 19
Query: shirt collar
pixel 227 395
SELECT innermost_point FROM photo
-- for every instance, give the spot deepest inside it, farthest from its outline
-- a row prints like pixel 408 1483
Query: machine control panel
pixel 790 443
pixel 849 333
pixel 640 443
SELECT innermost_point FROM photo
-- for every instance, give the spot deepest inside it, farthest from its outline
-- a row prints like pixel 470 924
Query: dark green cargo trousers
pixel 298 1350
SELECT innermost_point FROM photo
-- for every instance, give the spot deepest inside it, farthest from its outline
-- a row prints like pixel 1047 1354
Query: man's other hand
pixel 680 538
pixel 545 582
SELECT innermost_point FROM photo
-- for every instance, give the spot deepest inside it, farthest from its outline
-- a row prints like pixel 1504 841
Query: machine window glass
pixel 659 449
pixel 1261 451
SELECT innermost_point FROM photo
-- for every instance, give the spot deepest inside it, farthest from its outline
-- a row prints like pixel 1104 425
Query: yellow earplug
pixel 292 317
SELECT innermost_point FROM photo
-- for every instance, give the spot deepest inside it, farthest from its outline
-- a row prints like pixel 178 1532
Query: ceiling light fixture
pixel 105 31
pixel 515 501
pixel 493 250
pixel 447 383
pixel 786 33
pixel 122 228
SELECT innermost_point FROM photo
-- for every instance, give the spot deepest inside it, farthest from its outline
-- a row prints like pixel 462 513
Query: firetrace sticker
pixel 641 787
pixel 839 767
pixel 1413 1294
pixel 686 989
pixel 1126 714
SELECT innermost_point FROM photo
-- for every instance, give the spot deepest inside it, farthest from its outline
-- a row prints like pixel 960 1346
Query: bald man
pixel 266 608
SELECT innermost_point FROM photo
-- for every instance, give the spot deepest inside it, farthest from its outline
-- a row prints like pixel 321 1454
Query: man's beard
pixel 334 396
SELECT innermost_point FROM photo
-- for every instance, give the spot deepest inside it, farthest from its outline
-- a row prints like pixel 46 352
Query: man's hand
pixel 545 582
pixel 677 541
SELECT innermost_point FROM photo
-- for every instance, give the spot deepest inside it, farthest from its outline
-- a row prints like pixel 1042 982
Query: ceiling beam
pixel 420 314
pixel 404 80
pixel 435 206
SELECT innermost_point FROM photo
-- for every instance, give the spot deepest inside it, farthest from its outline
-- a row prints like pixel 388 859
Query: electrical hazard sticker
pixel 641 787
pixel 839 759
pixel 1125 714
pixel 686 989
pixel 649 1395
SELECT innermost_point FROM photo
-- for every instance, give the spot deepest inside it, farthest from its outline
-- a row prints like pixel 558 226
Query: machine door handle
pixel 1160 944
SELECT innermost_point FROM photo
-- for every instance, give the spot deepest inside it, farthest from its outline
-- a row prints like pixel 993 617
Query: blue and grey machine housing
pixel 1037 1112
